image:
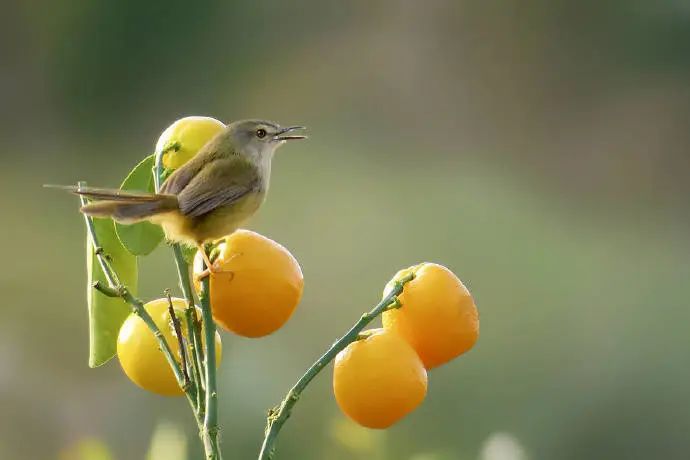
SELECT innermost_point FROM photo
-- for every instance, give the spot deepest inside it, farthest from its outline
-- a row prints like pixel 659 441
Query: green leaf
pixel 141 238
pixel 106 314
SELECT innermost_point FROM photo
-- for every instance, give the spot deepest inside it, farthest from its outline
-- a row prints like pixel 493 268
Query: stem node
pixel 106 290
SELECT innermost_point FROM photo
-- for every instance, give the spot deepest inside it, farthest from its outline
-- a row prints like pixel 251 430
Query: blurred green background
pixel 540 149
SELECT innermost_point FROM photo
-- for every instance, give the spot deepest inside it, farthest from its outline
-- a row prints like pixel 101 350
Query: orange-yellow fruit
pixel 256 285
pixel 438 316
pixel 138 352
pixel 379 379
pixel 190 134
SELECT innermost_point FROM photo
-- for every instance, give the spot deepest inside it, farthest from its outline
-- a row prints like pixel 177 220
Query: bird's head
pixel 260 138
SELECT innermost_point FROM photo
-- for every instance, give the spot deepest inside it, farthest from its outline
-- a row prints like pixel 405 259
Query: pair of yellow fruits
pixel 254 290
pixel 383 377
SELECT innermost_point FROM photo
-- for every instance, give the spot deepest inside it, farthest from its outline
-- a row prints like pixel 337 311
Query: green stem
pixel 279 415
pixel 195 356
pixel 181 344
pixel 105 290
pixel 210 427
pixel 206 374
pixel 193 333
pixel 158 164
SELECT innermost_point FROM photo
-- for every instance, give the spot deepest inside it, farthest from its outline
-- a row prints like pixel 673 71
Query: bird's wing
pixel 220 182
pixel 178 180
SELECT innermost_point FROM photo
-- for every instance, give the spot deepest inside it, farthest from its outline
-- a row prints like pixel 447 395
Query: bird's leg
pixel 207 261
pixel 210 267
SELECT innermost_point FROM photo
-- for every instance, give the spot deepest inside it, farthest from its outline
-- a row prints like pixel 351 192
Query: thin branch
pixel 180 339
pixel 207 374
pixel 210 427
pixel 193 329
pixel 106 290
pixel 279 415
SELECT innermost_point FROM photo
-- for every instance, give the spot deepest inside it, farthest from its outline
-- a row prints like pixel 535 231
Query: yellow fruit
pixel 379 379
pixel 191 133
pixel 256 285
pixel 138 352
pixel 438 316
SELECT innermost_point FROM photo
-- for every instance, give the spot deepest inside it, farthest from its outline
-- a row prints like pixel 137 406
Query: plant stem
pixel 193 330
pixel 180 341
pixel 279 415
pixel 137 305
pixel 205 375
pixel 210 428
pixel 183 273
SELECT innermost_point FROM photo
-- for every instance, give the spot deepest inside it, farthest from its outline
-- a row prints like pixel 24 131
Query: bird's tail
pixel 123 206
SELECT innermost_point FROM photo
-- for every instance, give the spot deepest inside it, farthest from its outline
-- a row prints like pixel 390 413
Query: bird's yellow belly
pixel 212 226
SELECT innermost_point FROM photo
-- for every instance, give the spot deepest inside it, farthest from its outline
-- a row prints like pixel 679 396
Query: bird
pixel 211 195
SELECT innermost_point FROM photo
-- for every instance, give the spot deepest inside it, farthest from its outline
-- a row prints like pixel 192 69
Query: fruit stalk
pixel 279 415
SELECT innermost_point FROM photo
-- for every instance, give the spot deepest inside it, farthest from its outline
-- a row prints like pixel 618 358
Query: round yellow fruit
pixel 438 316
pixel 255 285
pixel 379 379
pixel 139 354
pixel 185 137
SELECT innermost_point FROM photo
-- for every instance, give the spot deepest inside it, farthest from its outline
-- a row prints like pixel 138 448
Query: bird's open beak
pixel 283 135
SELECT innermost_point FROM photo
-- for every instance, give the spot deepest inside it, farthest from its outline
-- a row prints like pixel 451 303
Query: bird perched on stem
pixel 208 197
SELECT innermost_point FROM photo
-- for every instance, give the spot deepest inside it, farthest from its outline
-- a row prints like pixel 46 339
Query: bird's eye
pixel 260 133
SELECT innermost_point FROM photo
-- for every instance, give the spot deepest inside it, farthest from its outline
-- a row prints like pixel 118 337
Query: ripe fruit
pixel 438 316
pixel 138 352
pixel 191 133
pixel 257 284
pixel 379 379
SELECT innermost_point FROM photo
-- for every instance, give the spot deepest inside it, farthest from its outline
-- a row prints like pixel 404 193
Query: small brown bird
pixel 208 197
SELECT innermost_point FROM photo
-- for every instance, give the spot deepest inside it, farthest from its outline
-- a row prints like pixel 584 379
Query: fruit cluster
pixel 255 286
pixel 255 283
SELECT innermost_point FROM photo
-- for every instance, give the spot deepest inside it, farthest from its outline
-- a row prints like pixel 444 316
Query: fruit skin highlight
pixel 138 352
pixel 256 286
pixel 438 316
pixel 190 133
pixel 379 379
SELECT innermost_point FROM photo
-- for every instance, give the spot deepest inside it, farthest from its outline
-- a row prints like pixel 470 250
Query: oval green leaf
pixel 142 238
pixel 106 314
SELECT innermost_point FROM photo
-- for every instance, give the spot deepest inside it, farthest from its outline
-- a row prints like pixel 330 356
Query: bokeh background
pixel 538 148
